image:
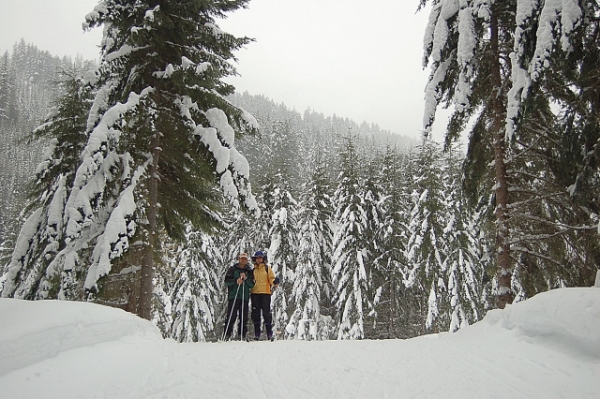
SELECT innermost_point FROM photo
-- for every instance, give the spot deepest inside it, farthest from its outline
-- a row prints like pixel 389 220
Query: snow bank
pixel 546 347
pixel 34 331
pixel 567 318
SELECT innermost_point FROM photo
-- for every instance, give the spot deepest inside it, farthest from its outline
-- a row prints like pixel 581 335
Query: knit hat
pixel 243 255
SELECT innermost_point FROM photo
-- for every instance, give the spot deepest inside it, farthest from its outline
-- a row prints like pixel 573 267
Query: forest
pixel 137 182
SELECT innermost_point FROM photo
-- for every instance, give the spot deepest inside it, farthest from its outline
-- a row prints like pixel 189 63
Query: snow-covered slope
pixel 546 347
pixel 33 331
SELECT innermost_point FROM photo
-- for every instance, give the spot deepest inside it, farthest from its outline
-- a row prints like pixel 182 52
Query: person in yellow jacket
pixel 260 295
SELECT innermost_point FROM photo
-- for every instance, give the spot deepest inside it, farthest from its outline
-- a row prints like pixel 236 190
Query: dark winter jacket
pixel 233 273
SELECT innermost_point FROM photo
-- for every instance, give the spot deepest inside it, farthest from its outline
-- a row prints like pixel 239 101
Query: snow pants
pixel 236 309
pixel 261 304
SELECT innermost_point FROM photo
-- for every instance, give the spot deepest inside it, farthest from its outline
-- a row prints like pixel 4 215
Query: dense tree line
pixel 161 178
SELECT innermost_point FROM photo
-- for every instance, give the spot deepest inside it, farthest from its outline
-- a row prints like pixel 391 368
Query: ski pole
pixel 242 311
pixel 231 313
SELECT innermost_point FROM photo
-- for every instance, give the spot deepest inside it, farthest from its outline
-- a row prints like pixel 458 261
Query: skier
pixel 239 280
pixel 266 282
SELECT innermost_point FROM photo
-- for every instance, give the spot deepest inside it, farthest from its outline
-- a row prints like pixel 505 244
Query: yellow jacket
pixel 263 279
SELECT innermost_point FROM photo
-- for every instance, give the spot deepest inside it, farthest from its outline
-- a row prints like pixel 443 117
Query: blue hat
pixel 258 254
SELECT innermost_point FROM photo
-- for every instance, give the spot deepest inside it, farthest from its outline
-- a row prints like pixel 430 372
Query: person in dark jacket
pixel 239 279
pixel 265 283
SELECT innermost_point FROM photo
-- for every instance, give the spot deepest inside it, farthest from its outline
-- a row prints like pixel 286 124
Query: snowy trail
pixel 287 369
pixel 518 353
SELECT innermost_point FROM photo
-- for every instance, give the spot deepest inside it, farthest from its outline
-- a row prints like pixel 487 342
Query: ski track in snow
pixel 523 352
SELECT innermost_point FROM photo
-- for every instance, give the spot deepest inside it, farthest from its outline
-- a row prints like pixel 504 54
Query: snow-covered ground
pixel 546 347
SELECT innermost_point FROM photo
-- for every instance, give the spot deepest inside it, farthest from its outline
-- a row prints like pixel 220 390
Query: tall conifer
pixel 37 269
pixel 348 274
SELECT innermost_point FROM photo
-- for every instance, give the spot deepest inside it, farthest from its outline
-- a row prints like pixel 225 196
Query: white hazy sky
pixel 359 59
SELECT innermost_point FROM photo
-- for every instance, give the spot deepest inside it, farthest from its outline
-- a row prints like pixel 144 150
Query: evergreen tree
pixel 391 238
pixel 162 121
pixel 27 89
pixel 371 195
pixel 34 272
pixel 463 263
pixel 310 283
pixel 283 251
pixel 426 249
pixel 195 292
pixel 349 275
pixel 468 44
pixel 512 64
pixel 556 244
pixel 554 215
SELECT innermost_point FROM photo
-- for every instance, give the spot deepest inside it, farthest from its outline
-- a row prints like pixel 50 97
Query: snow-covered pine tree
pixel 468 44
pixel 195 294
pixel 162 306
pixel 36 271
pixel 464 268
pixel 262 224
pixel 29 86
pixel 535 51
pixel 310 285
pixel 545 35
pixel 8 91
pixel 161 135
pixel 578 163
pixel 391 238
pixel 555 225
pixel 372 192
pixel 283 249
pixel 554 233
pixel 426 250
pixel 348 274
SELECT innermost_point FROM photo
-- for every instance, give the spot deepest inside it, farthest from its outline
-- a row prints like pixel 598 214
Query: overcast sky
pixel 359 59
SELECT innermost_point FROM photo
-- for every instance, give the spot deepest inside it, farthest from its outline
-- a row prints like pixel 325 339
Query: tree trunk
pixel 504 273
pixel 146 283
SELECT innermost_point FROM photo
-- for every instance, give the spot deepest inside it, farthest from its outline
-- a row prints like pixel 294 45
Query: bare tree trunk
pixel 147 286
pixel 504 274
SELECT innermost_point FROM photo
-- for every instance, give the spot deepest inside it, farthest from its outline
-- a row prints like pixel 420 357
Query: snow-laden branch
pixel 119 228
pixel 433 94
pixel 93 17
pixel 436 38
pixel 97 161
pixel 440 34
pixel 466 50
pixel 19 255
pixel 231 165
pixel 557 16
pixel 186 64
pixel 556 19
pixel 429 33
